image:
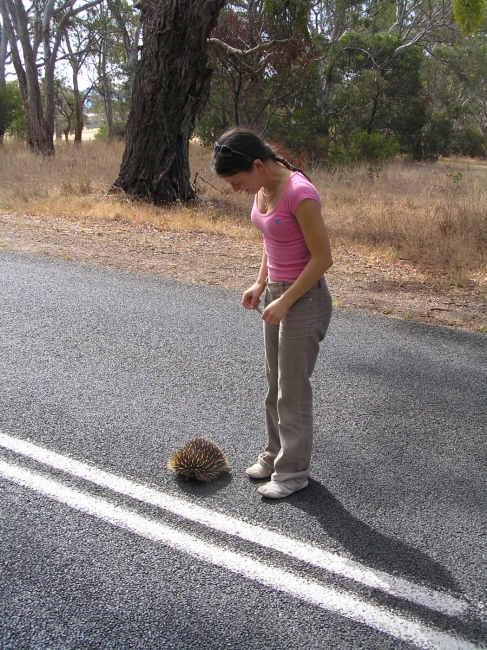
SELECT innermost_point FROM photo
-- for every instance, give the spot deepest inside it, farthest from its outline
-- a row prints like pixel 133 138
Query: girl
pixel 297 307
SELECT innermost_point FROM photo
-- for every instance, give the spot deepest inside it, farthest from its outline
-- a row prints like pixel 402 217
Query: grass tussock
pixel 434 215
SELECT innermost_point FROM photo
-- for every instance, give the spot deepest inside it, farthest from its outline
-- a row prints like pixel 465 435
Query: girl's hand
pixel 251 297
pixel 275 312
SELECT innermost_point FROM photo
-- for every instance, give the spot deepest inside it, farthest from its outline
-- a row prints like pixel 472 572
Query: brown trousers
pixel 291 350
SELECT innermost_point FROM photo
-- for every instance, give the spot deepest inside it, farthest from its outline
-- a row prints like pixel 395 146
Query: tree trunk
pixel 39 138
pixel 107 91
pixel 375 105
pixel 39 134
pixel 107 96
pixel 75 60
pixel 108 110
pixel 78 108
pixel 171 88
pixel 3 83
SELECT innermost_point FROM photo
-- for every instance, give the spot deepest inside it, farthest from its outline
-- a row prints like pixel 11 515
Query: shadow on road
pixel 202 489
pixel 366 544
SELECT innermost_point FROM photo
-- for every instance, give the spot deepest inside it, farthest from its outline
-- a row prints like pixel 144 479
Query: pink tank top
pixel 285 246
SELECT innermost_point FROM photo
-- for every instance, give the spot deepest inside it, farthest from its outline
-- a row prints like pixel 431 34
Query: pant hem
pixel 286 476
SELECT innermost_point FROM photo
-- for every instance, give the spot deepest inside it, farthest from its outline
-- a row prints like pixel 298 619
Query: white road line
pixel 309 591
pixel 392 585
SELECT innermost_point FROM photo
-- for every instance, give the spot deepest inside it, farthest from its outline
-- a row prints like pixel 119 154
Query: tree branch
pixel 234 52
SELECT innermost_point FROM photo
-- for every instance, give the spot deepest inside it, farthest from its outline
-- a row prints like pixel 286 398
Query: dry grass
pixel 433 215
pixel 75 184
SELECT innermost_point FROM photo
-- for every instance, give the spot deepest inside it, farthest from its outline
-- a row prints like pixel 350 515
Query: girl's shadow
pixel 367 545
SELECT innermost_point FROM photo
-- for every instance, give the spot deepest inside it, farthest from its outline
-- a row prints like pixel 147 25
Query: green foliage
pixel 211 126
pixel 469 14
pixel 65 107
pixel 266 92
pixel 377 90
pixel 218 118
pixel 361 96
pixel 456 87
pixel 371 147
pixel 15 123
pixel 118 131
pixel 364 147
pixel 469 142
pixel 302 134
pixel 121 101
pixel 435 138
pixel 290 15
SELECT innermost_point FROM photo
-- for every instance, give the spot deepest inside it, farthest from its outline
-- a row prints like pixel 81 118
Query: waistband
pixel 285 285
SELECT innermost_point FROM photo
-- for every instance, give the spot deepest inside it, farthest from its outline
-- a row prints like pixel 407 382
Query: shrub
pixel 13 114
pixel 118 130
pixel 371 147
pixel 435 139
pixel 469 142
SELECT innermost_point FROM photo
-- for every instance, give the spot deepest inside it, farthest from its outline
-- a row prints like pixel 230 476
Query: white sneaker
pixel 258 471
pixel 280 489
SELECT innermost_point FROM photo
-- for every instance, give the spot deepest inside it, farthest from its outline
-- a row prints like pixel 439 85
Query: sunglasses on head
pixel 225 150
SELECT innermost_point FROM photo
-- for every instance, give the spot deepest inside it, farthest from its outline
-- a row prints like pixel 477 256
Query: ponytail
pixel 288 165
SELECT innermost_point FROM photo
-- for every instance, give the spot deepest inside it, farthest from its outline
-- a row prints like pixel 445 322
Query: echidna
pixel 200 459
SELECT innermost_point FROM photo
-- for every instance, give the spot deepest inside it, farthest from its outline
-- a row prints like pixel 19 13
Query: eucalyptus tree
pixel 103 64
pixel 79 40
pixel 379 93
pixel 262 64
pixel 409 23
pixel 130 29
pixel 172 83
pixel 65 109
pixel 455 78
pixel 330 21
pixel 113 57
pixel 170 90
pixel 34 34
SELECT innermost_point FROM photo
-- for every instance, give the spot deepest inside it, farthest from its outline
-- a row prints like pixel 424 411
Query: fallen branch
pixel 218 189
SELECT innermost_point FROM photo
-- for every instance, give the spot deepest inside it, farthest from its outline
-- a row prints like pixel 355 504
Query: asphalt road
pixel 105 374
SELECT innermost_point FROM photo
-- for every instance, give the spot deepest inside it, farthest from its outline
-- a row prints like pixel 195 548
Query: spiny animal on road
pixel 200 459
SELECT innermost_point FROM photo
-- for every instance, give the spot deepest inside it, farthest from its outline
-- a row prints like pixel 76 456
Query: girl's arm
pixel 309 217
pixel 251 297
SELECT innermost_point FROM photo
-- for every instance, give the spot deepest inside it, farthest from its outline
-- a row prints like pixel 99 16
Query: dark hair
pixel 246 147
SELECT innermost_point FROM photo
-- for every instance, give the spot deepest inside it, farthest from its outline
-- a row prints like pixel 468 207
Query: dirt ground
pixel 371 284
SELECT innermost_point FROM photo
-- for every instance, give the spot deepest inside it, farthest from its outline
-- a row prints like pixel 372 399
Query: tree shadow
pixel 367 545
